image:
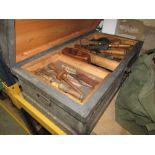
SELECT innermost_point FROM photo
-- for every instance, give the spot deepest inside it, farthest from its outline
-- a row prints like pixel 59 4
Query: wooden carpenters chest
pixel 61 73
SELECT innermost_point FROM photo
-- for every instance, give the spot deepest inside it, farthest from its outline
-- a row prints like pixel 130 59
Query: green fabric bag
pixel 135 104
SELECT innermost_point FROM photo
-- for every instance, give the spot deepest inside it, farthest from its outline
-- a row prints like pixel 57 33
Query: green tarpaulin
pixel 135 104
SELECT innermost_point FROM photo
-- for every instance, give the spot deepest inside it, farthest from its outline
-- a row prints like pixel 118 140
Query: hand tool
pixel 115 53
pixel 70 91
pixel 86 56
pixel 83 78
pixel 43 73
pixel 115 56
pixel 121 52
pixel 101 44
pixel 61 75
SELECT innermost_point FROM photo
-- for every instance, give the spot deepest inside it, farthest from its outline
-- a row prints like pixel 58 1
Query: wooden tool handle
pixel 98 60
pixel 119 45
pixel 83 56
pixel 118 56
pixel 87 80
pixel 104 62
pixel 121 52
pixel 94 59
pixel 70 91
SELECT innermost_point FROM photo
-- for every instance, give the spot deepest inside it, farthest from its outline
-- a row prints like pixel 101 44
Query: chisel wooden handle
pixel 87 80
pixel 119 45
pixel 70 91
pixel 117 56
pixel 103 62
pixel 120 52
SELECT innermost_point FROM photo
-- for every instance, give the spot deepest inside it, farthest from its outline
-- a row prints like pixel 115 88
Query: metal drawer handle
pixel 44 99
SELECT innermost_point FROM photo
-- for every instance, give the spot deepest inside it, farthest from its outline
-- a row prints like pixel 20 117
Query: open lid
pixel 35 36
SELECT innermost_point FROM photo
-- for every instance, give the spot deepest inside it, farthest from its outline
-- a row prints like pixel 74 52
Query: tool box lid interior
pixel 26 38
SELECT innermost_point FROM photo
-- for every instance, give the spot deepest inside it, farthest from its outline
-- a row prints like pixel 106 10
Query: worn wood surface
pixel 34 36
pixel 87 69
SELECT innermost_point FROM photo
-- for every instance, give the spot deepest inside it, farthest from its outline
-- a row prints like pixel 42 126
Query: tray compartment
pixel 77 67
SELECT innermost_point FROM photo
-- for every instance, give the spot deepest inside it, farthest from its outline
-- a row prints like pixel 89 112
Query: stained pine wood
pixel 39 63
pixel 34 36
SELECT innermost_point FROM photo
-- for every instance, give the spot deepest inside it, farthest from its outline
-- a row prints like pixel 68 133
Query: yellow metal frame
pixel 15 95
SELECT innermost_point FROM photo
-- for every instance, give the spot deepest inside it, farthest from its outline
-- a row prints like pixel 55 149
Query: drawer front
pixel 48 106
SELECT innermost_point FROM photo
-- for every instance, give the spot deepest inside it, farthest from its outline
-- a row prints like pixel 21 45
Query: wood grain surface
pixel 33 36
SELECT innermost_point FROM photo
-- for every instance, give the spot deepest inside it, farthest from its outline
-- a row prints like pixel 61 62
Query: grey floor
pixel 107 124
pixel 8 126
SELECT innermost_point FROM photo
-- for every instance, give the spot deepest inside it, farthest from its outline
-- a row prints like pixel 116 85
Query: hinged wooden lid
pixel 34 36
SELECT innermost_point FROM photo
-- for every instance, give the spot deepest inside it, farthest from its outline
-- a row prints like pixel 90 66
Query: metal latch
pixel 43 99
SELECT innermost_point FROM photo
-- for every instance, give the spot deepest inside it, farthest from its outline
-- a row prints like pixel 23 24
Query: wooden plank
pixel 34 36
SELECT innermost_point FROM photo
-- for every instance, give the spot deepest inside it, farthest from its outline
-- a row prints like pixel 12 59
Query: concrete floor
pixel 8 125
pixel 107 124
